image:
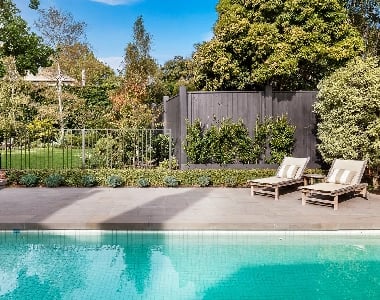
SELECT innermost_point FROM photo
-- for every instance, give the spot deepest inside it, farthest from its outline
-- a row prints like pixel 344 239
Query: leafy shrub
pixel 230 182
pixel 143 182
pixel 160 145
pixel 275 134
pixel 89 180
pixel 54 180
pixel 115 181
pixel 227 142
pixel 204 181
pixel 171 181
pixel 74 177
pixel 194 143
pixel 348 105
pixel 167 164
pixel 108 152
pixel 29 180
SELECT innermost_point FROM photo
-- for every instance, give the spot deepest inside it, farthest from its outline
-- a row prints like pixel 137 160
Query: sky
pixel 175 25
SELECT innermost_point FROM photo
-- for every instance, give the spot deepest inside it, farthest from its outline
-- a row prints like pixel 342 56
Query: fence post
pixel 83 148
pixel 165 103
pixel 183 118
pixel 268 103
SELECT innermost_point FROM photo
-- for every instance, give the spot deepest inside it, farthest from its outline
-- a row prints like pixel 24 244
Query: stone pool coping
pixel 178 209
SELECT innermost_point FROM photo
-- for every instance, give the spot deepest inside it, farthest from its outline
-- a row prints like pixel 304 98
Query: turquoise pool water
pixel 188 265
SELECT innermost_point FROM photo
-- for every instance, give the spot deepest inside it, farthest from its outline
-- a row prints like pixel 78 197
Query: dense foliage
pixel 130 177
pixel 365 16
pixel 132 99
pixel 348 107
pixel 177 72
pixel 290 44
pixel 26 49
pixel 229 142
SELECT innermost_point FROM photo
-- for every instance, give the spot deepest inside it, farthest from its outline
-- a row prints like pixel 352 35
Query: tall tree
pixel 290 44
pixel 59 30
pixel 365 16
pixel 16 41
pixel 79 62
pixel 131 100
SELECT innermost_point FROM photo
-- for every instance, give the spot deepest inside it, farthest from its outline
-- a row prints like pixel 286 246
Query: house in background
pixel 48 76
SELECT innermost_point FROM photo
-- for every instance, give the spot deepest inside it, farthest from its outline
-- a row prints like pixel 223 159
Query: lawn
pixel 41 158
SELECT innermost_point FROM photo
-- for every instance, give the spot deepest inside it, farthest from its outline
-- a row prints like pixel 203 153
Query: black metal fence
pixel 85 148
pixel 210 107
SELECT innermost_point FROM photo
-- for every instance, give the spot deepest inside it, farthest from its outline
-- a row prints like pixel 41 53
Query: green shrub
pixel 74 177
pixel 29 180
pixel 54 180
pixel 143 182
pixel 161 146
pixel 89 180
pixel 171 181
pixel 347 107
pixel 108 152
pixel 115 181
pixel 231 182
pixel 227 142
pixel 275 134
pixel 167 164
pixel 204 181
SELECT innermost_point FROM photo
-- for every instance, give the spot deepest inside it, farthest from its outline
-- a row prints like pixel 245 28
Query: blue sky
pixel 175 25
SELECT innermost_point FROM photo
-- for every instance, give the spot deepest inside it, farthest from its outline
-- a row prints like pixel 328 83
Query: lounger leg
pixel 304 197
pixel 276 193
pixel 252 191
pixel 364 192
pixel 336 202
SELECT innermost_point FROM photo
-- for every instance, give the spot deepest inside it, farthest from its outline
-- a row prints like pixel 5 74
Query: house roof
pixel 48 76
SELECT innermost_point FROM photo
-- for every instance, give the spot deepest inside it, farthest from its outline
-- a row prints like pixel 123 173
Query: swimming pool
pixel 189 265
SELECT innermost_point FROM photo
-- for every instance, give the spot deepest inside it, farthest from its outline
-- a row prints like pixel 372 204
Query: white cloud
pixel 116 2
pixel 115 62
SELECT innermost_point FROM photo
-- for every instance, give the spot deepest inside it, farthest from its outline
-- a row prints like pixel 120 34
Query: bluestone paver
pixel 177 209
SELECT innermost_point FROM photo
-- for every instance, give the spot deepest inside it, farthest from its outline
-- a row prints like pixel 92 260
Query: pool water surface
pixel 189 265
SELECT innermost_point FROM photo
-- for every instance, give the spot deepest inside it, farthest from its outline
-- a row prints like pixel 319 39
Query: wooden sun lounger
pixel 271 185
pixel 311 192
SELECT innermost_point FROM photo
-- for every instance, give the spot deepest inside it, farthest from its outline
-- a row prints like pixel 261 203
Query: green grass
pixel 41 158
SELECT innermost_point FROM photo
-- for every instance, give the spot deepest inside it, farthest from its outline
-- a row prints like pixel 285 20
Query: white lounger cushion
pixel 341 176
pixel 288 171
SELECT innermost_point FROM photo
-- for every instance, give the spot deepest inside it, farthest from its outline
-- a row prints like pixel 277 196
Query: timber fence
pixel 211 107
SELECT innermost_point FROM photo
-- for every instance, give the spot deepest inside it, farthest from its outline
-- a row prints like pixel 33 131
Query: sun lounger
pixel 290 172
pixel 344 177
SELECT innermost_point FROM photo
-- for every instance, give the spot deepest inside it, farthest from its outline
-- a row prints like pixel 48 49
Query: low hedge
pixel 156 177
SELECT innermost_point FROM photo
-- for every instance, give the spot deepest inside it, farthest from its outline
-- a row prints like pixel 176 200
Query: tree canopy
pixel 177 72
pixel 16 41
pixel 365 16
pixel 290 44
pixel 130 100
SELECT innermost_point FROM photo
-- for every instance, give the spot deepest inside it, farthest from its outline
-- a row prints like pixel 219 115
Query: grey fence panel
pixel 211 107
pixel 298 107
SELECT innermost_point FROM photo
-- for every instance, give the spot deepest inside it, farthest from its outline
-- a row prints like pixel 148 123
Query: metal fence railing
pixel 85 148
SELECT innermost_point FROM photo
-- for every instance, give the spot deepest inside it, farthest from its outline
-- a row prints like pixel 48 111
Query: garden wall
pixel 211 107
